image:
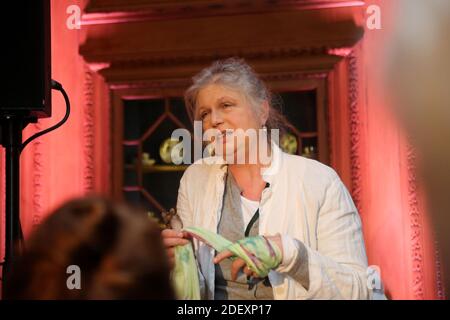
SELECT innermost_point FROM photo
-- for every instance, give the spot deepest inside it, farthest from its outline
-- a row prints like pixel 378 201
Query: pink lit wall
pixel 69 161
pixel 396 230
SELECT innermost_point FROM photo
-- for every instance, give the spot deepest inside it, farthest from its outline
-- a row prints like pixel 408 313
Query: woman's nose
pixel 216 118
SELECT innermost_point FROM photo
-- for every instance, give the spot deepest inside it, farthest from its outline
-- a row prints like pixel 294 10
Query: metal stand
pixel 11 140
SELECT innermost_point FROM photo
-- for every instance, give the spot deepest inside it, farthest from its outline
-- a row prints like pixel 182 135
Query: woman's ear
pixel 265 112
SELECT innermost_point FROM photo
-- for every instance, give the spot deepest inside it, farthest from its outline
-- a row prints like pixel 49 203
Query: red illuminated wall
pixel 64 163
pixel 396 230
pixel 73 160
pixel 70 161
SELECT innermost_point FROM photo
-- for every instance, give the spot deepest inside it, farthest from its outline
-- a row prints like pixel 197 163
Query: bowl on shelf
pixel 171 151
pixel 147 161
pixel 289 144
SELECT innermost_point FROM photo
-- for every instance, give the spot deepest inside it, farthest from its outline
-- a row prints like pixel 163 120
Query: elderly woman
pixel 299 204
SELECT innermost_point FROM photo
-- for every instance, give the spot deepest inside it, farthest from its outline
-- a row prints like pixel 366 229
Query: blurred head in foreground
pixel 419 71
pixel 118 251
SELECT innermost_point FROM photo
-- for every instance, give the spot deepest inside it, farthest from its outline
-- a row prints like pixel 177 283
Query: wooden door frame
pixel 330 109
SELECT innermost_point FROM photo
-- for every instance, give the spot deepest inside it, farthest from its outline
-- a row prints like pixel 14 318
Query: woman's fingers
pixel 237 265
pixel 170 252
pixel 248 271
pixel 170 233
pixel 171 257
pixel 186 235
pixel 173 238
pixel 172 242
pixel 222 255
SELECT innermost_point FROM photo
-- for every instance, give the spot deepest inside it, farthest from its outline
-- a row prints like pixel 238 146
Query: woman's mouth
pixel 223 135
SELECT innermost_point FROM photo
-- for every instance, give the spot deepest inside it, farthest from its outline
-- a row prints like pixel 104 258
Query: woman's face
pixel 226 110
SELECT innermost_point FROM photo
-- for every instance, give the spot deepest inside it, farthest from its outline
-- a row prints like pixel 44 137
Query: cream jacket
pixel 307 201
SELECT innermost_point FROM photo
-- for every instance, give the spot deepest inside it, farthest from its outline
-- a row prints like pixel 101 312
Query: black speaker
pixel 25 66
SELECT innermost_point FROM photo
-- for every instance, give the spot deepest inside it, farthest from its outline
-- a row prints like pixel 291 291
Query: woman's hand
pixel 171 239
pixel 239 263
pixel 236 265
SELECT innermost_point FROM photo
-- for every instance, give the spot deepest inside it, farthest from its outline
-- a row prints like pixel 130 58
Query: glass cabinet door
pixel 151 179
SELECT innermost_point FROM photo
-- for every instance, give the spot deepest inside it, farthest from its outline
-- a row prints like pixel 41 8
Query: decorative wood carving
pixel 416 228
pixel 183 83
pixel 439 283
pixel 275 34
pixel 119 11
pixel 88 131
pixel 195 57
pixel 38 189
pixel 355 131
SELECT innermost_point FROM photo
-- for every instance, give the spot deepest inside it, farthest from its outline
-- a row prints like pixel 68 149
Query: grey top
pixel 231 226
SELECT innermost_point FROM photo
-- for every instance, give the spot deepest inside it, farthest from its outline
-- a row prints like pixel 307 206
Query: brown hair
pixel 119 252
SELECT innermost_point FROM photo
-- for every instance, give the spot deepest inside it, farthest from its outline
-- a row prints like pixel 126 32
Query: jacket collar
pixel 274 168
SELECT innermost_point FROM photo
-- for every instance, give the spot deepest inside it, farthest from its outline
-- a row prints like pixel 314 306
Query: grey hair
pixel 237 74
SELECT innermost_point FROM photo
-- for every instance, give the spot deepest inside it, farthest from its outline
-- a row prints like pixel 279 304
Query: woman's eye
pixel 226 105
pixel 203 115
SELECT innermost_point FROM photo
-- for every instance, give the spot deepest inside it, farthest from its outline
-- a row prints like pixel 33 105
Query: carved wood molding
pixel 116 11
pixel 176 71
pixel 416 239
pixel 355 131
pixel 416 228
pixel 439 270
pixel 184 83
pixel 286 76
pixel 38 174
pixel 162 59
pixel 88 131
pixel 151 84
